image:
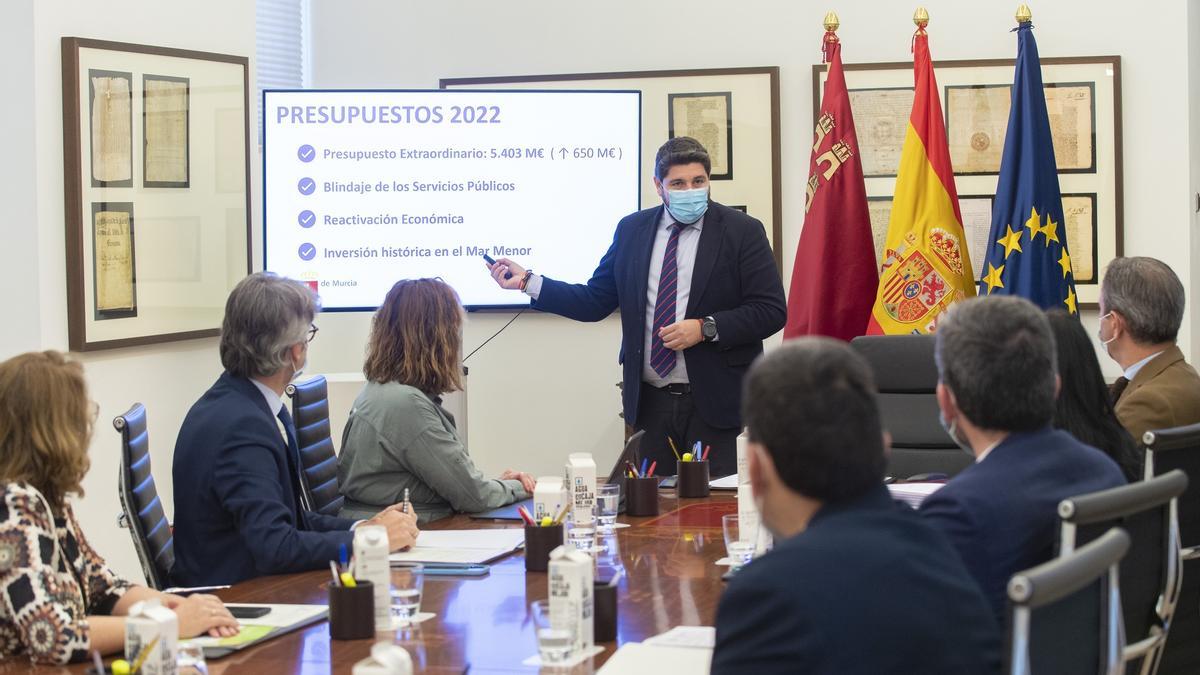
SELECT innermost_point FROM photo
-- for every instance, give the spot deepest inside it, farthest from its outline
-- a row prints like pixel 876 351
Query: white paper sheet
pixel 913 493
pixel 729 482
pixel 638 658
pixel 704 637
pixel 462 546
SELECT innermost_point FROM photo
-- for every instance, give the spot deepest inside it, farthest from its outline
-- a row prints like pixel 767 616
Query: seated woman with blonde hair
pixel 60 600
pixel 398 436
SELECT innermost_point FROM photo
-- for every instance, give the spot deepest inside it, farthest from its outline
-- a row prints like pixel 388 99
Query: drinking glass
pixel 554 641
pixel 407 581
pixel 582 536
pixel 740 539
pixel 608 499
pixel 189 660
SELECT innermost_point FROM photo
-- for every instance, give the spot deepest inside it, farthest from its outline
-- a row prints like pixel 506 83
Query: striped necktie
pixel 662 359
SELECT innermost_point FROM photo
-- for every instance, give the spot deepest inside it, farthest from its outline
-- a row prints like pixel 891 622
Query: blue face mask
pixel 688 206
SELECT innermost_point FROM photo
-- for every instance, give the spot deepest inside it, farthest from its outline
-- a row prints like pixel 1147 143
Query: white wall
pixel 546 386
pixel 167 378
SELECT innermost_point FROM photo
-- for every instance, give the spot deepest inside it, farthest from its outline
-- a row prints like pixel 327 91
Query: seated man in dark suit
pixel 1141 309
pixel 856 583
pixel 237 465
pixel 998 380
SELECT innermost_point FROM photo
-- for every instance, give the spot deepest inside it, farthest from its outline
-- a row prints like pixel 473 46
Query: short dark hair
pixel 680 150
pixel 812 404
pixel 996 354
pixel 1146 292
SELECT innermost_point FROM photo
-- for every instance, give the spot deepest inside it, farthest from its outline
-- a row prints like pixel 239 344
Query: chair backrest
pixel 1168 450
pixel 1178 448
pixel 1151 575
pixel 1065 615
pixel 139 499
pixel 319 465
pixel 907 377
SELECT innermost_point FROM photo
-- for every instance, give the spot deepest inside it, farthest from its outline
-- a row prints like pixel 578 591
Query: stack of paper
pixel 913 493
pixel 729 482
pixel 462 546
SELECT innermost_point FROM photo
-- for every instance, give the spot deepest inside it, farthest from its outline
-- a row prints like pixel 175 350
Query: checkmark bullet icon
pixel 306 153
pixel 307 218
pixel 307 251
pixel 306 186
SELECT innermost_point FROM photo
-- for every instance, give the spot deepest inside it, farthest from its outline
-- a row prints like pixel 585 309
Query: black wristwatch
pixel 708 329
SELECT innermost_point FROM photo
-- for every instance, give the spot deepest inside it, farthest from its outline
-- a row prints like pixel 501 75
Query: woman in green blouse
pixel 399 437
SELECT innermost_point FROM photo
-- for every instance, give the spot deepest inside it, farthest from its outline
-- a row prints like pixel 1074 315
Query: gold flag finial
pixel 1023 14
pixel 831 22
pixel 921 17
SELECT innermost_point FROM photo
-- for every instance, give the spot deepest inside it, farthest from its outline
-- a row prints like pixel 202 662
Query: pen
pixel 99 662
pixel 673 448
pixel 348 581
pixel 704 457
pixel 404 506
pixel 142 656
pixel 631 469
pixel 526 517
pixel 343 558
pixel 562 514
pixel 333 570
pixel 651 471
pixel 644 461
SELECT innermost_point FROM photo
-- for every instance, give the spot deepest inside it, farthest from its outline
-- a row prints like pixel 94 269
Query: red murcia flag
pixel 835 276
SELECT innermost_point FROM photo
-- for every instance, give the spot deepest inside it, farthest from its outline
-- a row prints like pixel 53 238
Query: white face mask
pixel 1100 334
pixel 952 429
pixel 303 365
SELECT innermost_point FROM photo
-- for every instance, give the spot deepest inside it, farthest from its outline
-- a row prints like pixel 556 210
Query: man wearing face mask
pixel 998 379
pixel 1141 308
pixel 698 291
pixel 238 513
pixel 850 567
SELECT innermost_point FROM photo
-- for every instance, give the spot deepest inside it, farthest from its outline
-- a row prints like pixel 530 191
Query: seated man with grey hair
pixel 998 379
pixel 237 464
pixel 1141 308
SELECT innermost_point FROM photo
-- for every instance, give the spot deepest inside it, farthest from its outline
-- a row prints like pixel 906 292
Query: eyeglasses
pixel 95 411
pixel 312 332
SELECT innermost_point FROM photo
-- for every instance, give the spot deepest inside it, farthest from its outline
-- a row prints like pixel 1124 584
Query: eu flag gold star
pixel 1010 241
pixel 1070 301
pixel 992 279
pixel 1065 263
pixel 1050 230
pixel 1034 224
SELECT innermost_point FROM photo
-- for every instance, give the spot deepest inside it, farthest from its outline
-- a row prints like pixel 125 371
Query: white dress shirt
pixel 685 256
pixel 1132 371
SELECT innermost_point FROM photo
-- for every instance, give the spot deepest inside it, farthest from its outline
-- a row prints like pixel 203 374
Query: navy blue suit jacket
pixel 735 281
pixel 867 588
pixel 237 513
pixel 1002 513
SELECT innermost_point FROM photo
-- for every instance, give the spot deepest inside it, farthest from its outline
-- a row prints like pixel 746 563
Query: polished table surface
pixel 483 623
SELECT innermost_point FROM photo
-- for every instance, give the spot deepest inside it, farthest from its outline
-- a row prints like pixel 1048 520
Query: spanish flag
pixel 925 262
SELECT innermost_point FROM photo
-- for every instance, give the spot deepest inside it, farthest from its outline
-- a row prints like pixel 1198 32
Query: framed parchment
pixel 139 123
pixel 751 106
pixel 165 131
pixel 1083 100
pixel 707 118
pixel 110 131
pixel 113 284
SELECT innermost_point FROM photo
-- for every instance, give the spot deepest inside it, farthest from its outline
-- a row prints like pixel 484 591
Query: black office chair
pixel 907 377
pixel 143 511
pixel 1151 572
pixel 319 465
pixel 1168 450
pixel 1065 615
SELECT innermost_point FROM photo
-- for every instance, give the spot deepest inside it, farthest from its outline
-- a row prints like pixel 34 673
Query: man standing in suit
pixel 856 583
pixel 1141 308
pixel 237 464
pixel 698 291
pixel 998 375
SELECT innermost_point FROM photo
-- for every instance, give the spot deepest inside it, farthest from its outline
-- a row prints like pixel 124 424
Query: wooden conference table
pixel 483 623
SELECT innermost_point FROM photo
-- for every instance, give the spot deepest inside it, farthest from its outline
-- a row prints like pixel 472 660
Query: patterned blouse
pixel 45 561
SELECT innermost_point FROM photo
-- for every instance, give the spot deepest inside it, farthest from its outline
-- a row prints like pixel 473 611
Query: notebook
pixel 462 546
pixel 280 620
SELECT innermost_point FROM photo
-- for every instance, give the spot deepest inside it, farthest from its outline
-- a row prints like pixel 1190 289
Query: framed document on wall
pixel 715 106
pixel 162 134
pixel 1083 100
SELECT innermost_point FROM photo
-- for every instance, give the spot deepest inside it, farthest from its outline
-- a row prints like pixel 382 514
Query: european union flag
pixel 1027 250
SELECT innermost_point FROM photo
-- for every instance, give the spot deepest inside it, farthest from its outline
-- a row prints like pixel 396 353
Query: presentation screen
pixel 364 188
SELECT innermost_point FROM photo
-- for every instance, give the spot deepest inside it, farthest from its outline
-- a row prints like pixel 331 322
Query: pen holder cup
pixel 539 541
pixel 352 611
pixel 641 496
pixel 605 621
pixel 692 479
